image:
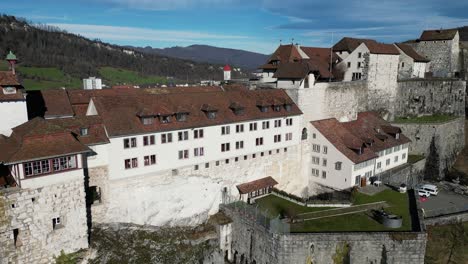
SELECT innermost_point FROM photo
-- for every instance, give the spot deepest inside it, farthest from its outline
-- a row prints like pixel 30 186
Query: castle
pixel 318 119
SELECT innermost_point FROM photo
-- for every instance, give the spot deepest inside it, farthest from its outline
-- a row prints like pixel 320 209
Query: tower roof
pixel 11 56
pixel 227 68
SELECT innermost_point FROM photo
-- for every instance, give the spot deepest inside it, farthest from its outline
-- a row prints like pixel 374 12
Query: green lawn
pixel 447 243
pixel 425 119
pixel 398 204
pixel 40 78
pixel 120 76
pixel 414 158
pixel 275 205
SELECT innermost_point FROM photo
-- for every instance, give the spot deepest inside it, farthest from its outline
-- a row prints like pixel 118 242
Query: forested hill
pixel 210 54
pixel 77 57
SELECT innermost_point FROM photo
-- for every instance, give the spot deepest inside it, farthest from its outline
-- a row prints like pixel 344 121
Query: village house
pixel 347 154
pixel 295 66
pixel 411 64
pixel 360 58
pixel 442 48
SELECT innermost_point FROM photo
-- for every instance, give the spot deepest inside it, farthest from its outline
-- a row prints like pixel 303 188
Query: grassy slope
pixel 425 119
pixel 274 206
pixel 39 78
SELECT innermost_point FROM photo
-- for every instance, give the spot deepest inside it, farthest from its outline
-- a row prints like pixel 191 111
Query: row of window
pixel 236 159
pixel 50 165
pixel 388 161
pixel 364 164
pixel 316 173
pixel 198 133
pixel 226 130
pixel 391 150
pixel 197 152
pixel 316 148
pixel 133 162
pixel 316 161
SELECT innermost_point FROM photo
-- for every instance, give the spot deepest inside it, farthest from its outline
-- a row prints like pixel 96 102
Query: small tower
pixel 11 58
pixel 227 72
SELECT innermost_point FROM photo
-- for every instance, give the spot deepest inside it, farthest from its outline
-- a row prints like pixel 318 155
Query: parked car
pixel 423 193
pixel 432 189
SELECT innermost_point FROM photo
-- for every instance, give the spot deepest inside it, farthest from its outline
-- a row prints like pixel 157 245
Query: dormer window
pixel 165 119
pixel 9 90
pixel 277 108
pixel 147 120
pixel 209 110
pixel 211 114
pixel 264 109
pixel 84 131
pixel 181 117
pixel 397 136
pixel 288 107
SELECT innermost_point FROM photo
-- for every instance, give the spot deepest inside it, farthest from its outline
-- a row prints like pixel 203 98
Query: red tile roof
pixel 26 145
pixel 120 113
pixel 56 103
pixel 369 131
pixel 350 44
pixel 438 34
pixel 408 50
pixel 292 65
pixel 8 79
pixel 256 185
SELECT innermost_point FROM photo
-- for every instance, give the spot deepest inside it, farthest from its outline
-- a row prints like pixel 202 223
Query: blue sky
pixel 244 24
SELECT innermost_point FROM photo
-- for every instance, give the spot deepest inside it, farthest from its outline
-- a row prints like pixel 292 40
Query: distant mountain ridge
pixel 211 54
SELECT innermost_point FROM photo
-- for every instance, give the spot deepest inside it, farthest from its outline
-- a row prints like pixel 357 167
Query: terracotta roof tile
pixel 252 186
pixel 119 113
pixel 56 103
pixel 438 34
pixel 408 50
pixel 8 79
pixel 350 44
pixel 369 130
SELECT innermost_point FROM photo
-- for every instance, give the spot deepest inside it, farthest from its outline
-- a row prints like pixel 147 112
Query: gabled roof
pixel 256 185
pixel 299 70
pixel 368 130
pixel 57 103
pixel 286 53
pixel 350 44
pixel 39 139
pixel 8 79
pixel 119 113
pixel 408 50
pixel 438 34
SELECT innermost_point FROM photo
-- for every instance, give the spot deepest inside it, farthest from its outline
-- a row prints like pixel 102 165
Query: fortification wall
pixel 30 212
pixel 252 242
pixel 187 196
pixel 409 174
pixel 440 143
pixel 431 96
pixel 443 55
pixel 341 100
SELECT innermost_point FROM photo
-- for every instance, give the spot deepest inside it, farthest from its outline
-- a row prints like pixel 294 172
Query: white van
pixel 431 188
pixel 423 193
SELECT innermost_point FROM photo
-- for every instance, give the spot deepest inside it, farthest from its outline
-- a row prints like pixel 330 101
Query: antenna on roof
pixel 292 40
pixel 280 41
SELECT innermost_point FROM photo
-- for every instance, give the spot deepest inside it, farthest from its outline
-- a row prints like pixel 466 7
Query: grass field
pixel 40 78
pixel 425 119
pixel 275 206
pixel 414 158
pixel 447 244
pixel 362 221
pixel 119 76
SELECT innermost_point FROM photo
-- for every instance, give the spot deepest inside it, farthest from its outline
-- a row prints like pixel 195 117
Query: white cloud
pixel 170 4
pixel 141 34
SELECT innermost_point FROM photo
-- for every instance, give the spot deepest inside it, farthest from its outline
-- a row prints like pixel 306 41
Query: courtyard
pixel 358 217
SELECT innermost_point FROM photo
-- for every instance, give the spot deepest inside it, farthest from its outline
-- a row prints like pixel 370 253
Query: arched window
pixel 304 133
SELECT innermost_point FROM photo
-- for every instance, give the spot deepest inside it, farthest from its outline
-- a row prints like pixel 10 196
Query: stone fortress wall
pixel 246 241
pixel 26 228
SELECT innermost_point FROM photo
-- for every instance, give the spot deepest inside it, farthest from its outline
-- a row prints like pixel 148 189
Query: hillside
pixel 49 56
pixel 210 54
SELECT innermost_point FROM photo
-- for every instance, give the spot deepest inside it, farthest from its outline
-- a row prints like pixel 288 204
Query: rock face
pixel 190 196
pixel 440 143
pixel 29 235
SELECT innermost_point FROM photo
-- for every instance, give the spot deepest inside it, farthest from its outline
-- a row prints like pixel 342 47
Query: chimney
pixel 11 58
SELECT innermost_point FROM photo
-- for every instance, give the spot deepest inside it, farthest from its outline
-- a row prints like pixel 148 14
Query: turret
pixel 227 72
pixel 11 58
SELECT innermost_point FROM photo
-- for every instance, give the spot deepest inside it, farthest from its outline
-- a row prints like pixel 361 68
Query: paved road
pixel 445 202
